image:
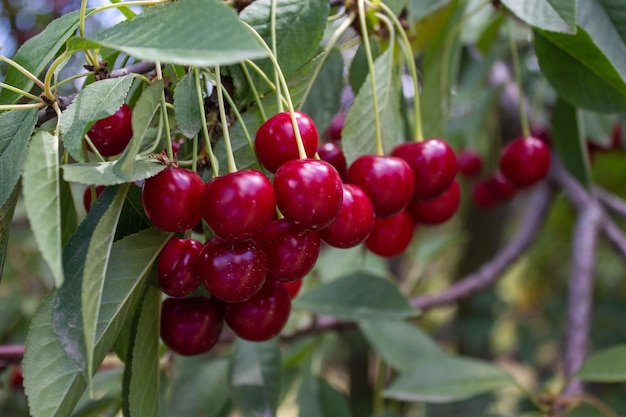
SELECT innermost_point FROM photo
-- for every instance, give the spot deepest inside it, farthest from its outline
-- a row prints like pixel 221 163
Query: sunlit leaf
pixel 543 14
pixel 103 173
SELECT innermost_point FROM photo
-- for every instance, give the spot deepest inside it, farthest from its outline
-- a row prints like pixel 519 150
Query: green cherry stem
pixel 19 91
pixel 81 28
pixel 517 74
pixel 275 53
pixel 29 106
pixel 255 92
pixel 50 73
pixel 232 167
pixel 205 129
pixel 24 71
pixel 166 121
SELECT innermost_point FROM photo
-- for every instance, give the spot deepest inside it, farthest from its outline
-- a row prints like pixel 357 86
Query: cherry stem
pixel 50 73
pixel 93 149
pixel 22 106
pixel 405 47
pixel 205 129
pixel 168 134
pixel 269 82
pixel 517 74
pixel 81 28
pixel 275 52
pixel 232 167
pixel 20 91
pixel 24 71
pixel 255 92
pixel 129 3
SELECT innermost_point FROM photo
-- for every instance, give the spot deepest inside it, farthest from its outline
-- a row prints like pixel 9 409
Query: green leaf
pixel 94 102
pixel 103 173
pixel 358 67
pixel 580 72
pixel 158 35
pixel 6 218
pixel 200 371
pixel 443 379
pixel 95 269
pixel 543 14
pixel 37 52
pixel 359 133
pixel 608 365
pixel 569 139
pixel 419 9
pixel 254 377
pixel 186 108
pixel 16 127
pixel 399 343
pixel 69 218
pixel 358 296
pixel 143 113
pixel 317 398
pixel 53 382
pixel 40 186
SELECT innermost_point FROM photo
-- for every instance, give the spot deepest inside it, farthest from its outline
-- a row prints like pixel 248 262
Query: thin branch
pixel 611 201
pixel 615 236
pixel 11 353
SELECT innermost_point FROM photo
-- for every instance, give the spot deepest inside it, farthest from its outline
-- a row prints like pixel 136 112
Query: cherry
pixel 501 187
pixel 261 317
pixel 291 251
pixel 177 267
pixel 525 161
pixel 354 222
pixel 332 153
pixel 308 192
pixel 171 199
pixel 232 271
pixel 336 126
pixel 391 235
pixel 616 136
pixel 275 141
pixel 111 135
pixel 470 163
pixel 293 287
pixel 438 210
pixel 239 205
pixel 490 191
pixel 87 196
pixel 388 182
pixel 483 195
pixel 16 377
pixel 433 163
pixel 192 325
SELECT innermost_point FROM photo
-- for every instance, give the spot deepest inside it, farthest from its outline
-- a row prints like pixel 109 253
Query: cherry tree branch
pixel 11 354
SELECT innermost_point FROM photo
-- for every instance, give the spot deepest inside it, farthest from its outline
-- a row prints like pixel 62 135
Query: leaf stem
pixel 24 71
pixel 205 129
pixel 517 74
pixel 232 167
pixel 255 92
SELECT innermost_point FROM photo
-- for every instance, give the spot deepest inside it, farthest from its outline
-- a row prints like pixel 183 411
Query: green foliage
pixel 605 366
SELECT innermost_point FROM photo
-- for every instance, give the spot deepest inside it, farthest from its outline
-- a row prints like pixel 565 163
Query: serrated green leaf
pixel 607 365
pixel 360 295
pixel 543 14
pixel 157 35
pixel 186 108
pixel 143 113
pixel 254 377
pixel 53 382
pixel 37 52
pixel 16 126
pixel 103 173
pixel 399 343
pixel 444 379
pixel 359 132
pixel 317 398
pixel 6 217
pixel 40 186
pixel 69 218
pixel 94 102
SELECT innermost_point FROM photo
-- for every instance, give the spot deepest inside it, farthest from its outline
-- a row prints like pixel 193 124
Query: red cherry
pixel 391 235
pixel 232 272
pixel 354 222
pixel 501 187
pixel 87 196
pixel 239 205
pixel 291 251
pixel 308 192
pixel 178 267
pixel 616 136
pixel 171 199
pixel 388 182
pixel 262 316
pixel 16 377
pixel 525 161
pixel 483 196
pixel 336 126
pixel 111 135
pixel 490 191
pixel 470 163
pixel 332 153
pixel 438 210
pixel 192 325
pixel 275 141
pixel 293 287
pixel 433 163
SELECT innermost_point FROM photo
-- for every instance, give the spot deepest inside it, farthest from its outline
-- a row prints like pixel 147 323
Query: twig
pixel 11 353
pixel 611 201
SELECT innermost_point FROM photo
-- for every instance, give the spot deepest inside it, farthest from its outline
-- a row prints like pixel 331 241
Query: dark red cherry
pixel 354 222
pixel 261 317
pixel 483 196
pixel 336 126
pixel 493 190
pixel 433 163
pixel 171 199
pixel 232 271
pixel 391 235
pixel 239 205
pixel 88 196
pixel 438 210
pixel 111 135
pixel 388 182
pixel 191 325
pixel 293 287
pixel 291 251
pixel 275 141
pixel 470 163
pixel 525 161
pixel 308 192
pixel 501 187
pixel 178 267
pixel 332 153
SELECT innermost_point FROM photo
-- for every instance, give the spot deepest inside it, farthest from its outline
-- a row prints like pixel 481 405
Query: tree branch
pixel 11 353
